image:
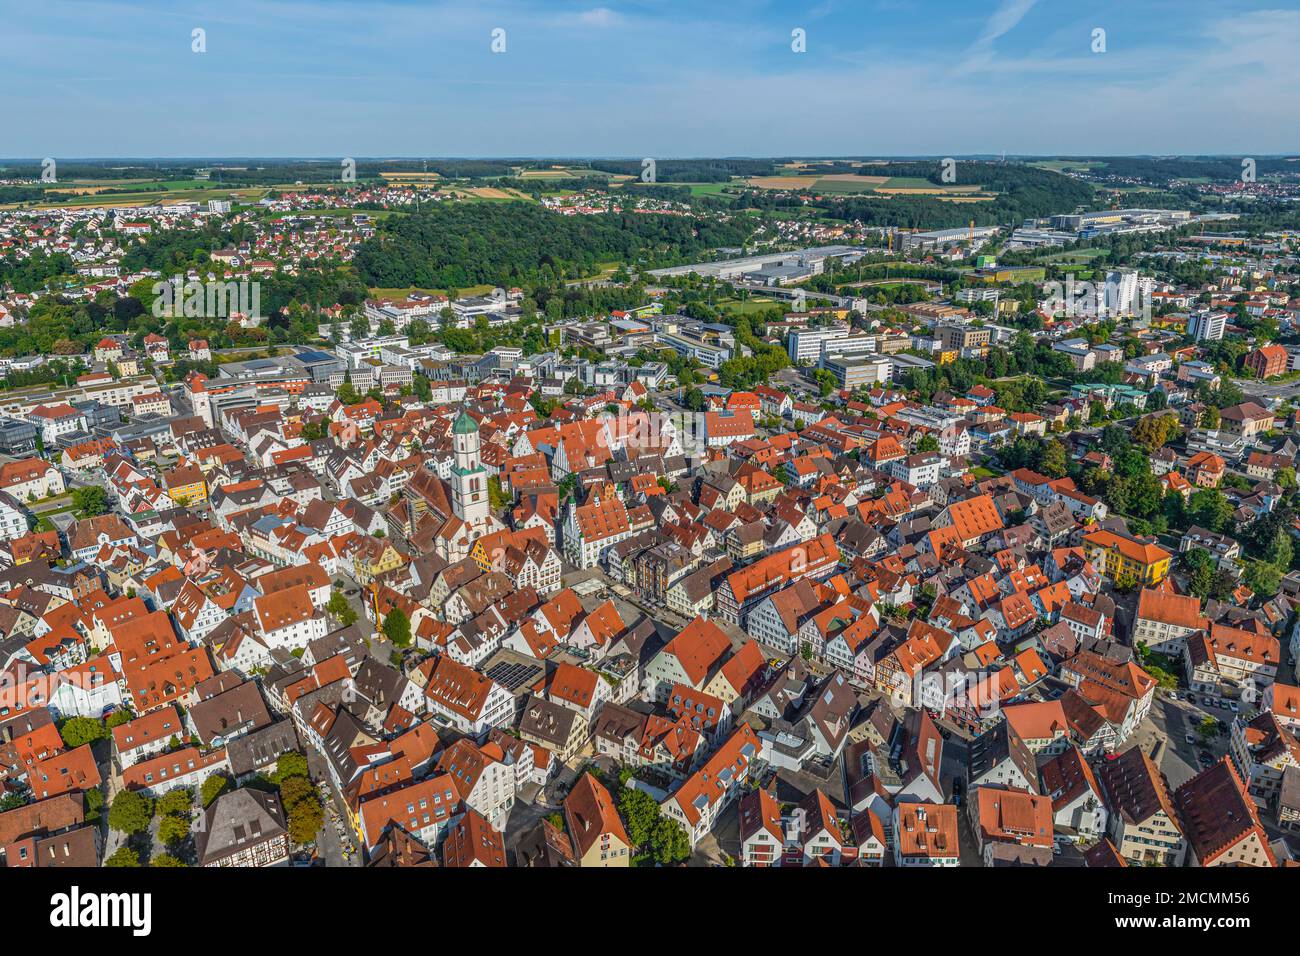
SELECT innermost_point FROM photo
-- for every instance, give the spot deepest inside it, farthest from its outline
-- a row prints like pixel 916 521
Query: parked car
pixel 1232 706
pixel 1191 738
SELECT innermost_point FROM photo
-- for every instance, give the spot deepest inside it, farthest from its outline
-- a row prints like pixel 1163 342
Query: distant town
pixel 557 513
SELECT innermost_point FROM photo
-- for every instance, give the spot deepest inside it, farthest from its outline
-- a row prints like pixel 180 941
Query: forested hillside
pixel 466 244
pixel 1022 192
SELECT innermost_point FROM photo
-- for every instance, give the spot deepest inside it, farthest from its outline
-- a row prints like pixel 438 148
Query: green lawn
pixel 707 189
pixel 1074 255
pixel 403 293
pixel 747 306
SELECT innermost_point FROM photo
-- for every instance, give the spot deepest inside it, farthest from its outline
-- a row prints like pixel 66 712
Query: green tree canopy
pixel 76 731
pixel 291 764
pixel 397 627
pixel 640 813
pixel 173 830
pixel 213 787
pixel 178 802
pixel 123 856
pixel 130 813
pixel 669 842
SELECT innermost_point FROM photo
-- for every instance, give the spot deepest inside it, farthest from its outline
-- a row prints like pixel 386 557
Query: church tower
pixel 468 479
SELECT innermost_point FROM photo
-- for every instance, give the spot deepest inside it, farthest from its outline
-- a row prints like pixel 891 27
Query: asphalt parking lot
pixel 1170 721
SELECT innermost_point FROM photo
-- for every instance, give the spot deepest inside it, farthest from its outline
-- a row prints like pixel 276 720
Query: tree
pixel 166 859
pixel 826 381
pixel 1223 584
pixel 213 787
pixel 1208 729
pixel 1056 460
pixel 291 764
pixel 694 400
pixel 119 717
pixel 305 821
pixel 178 802
pixel 397 627
pixel 90 501
pixel 1210 509
pixel 347 395
pixel 339 609
pixel 1154 431
pixel 130 813
pixel 123 856
pixel 172 830
pixel 640 813
pixel 82 730
pixel 295 789
pixel 1201 580
pixel 669 842
pixel 1262 578
pixel 337 606
pixel 927 443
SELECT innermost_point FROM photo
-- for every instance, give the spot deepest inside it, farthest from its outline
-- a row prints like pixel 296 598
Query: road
pixel 1254 388
pixel 1171 721
pixel 335 838
pixel 46 505
pixel 523 817
pixel 381 649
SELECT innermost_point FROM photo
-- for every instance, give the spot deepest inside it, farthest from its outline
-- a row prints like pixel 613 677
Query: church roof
pixel 465 425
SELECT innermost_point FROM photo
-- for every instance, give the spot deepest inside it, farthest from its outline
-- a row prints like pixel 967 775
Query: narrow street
pixel 336 845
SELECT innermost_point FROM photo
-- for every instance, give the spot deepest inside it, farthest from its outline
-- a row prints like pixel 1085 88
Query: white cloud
pixel 599 17
pixel 1005 19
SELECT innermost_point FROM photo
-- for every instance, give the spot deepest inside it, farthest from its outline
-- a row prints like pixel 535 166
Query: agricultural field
pixel 491 193
pixel 80 195
pixel 782 182
pixel 838 183
pixel 572 172
pixel 408 179
pixel 842 184
pixel 1068 165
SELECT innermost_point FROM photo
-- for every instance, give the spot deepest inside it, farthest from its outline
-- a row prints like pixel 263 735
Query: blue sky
pixel 608 78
